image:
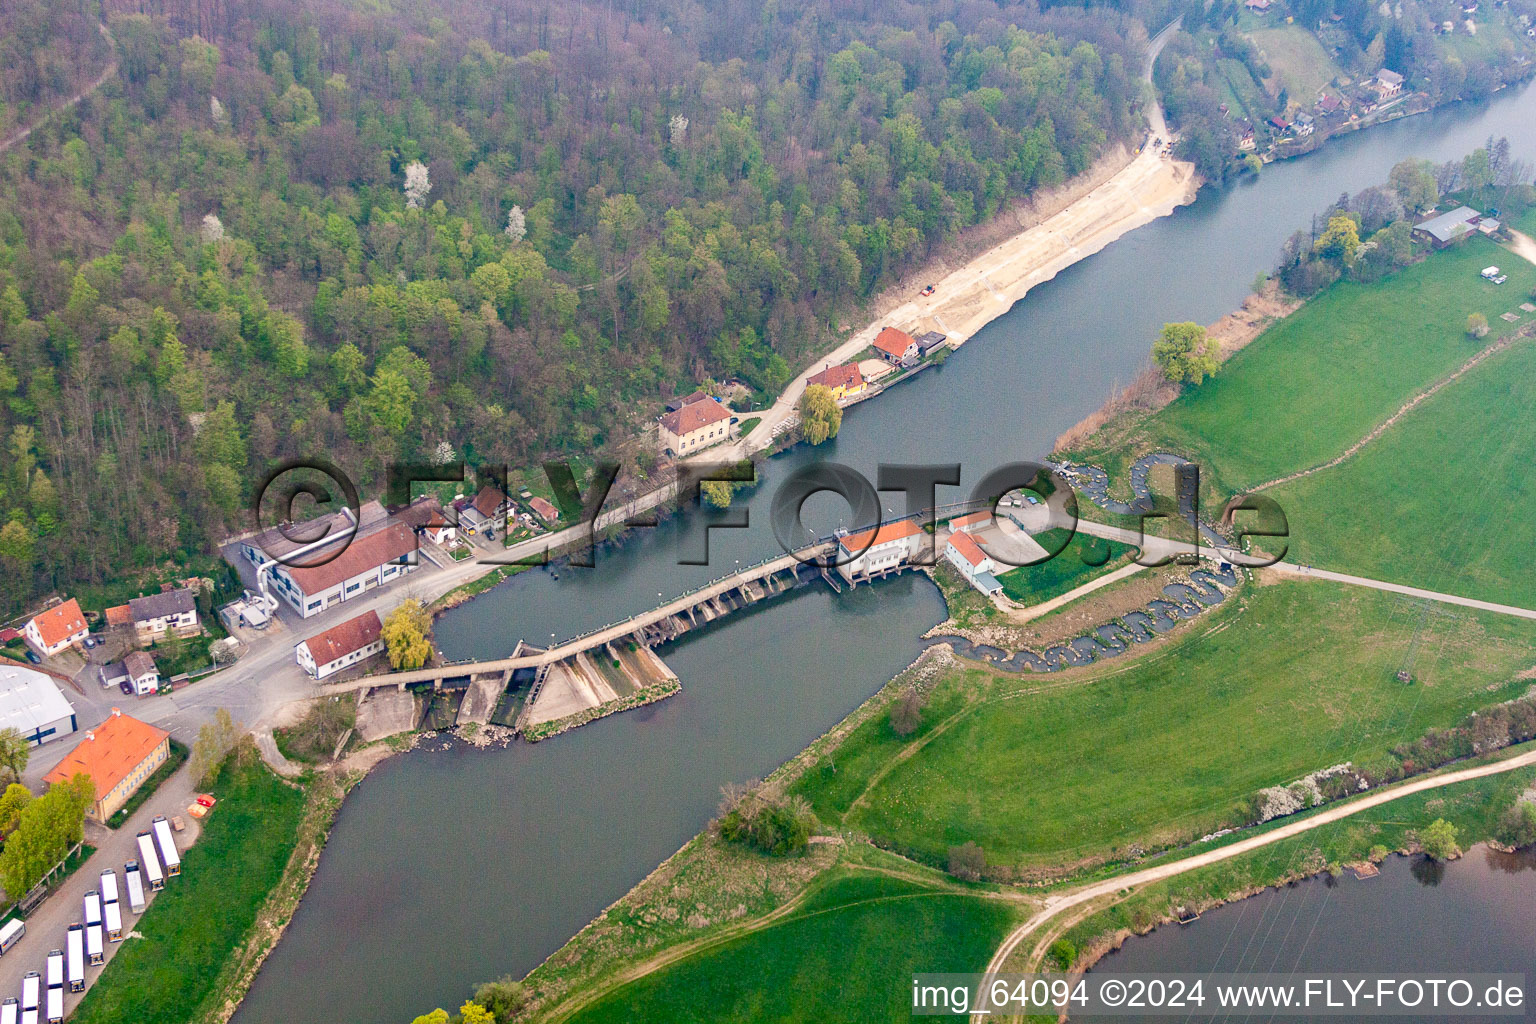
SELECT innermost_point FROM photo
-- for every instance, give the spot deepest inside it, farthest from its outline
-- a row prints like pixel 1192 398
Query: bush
pixel 315 736
pixel 966 862
pixel 777 826
pixel 1517 827
pixel 1477 326
pixel 1063 954
pixel 1439 840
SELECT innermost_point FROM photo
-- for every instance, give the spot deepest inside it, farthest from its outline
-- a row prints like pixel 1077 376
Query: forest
pixel 377 231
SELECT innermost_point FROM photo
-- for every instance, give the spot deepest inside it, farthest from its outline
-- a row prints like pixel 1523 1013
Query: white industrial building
pixel 31 704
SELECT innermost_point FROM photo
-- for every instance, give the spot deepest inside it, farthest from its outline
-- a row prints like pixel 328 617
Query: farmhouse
pixel 368 562
pixel 119 755
pixel 168 612
pixel 879 550
pixel 699 423
pixel 966 555
pixel 896 347
pixel 57 628
pixel 843 381
pixel 341 646
pixel 31 704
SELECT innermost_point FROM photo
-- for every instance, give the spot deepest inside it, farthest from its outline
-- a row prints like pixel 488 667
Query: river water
pixel 450 867
pixel 1416 918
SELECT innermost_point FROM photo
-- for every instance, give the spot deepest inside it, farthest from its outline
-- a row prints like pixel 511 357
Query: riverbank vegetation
pixel 189 934
pixel 285 229
pixel 1473 808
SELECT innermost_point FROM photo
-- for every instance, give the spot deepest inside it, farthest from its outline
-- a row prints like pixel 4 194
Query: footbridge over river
pixel 665 622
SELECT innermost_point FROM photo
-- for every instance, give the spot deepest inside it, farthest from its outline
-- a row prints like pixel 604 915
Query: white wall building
pixel 889 546
pixel 974 564
pixel 57 628
pixel 31 704
pixel 341 646
pixel 368 562
pixel 170 611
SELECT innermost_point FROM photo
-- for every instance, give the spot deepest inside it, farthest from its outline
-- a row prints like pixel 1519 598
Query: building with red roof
pixel 57 628
pixel 843 381
pixel 368 562
pixel 974 564
pixel 341 646
pixel 878 550
pixel 896 346
pixel 694 426
pixel 119 756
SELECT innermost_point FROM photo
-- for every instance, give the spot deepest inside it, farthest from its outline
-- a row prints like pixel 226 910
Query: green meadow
pixel 847 954
pixel 1053 771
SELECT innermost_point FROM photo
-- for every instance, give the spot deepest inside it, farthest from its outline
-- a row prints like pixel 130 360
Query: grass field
pixel 1441 500
pixel 192 927
pixel 1046 772
pixel 1322 378
pixel 1083 558
pixel 847 954
pixel 1299 62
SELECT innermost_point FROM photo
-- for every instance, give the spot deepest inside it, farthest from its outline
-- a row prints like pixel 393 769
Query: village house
pixel 341 646
pixel 368 562
pixel 31 704
pixel 870 552
pixel 971 523
pixel 486 513
pixel 698 423
pixel 974 564
pixel 1279 123
pixel 1448 228
pixel 1388 84
pixel 896 346
pixel 1257 6
pixel 1304 125
pixel 1245 138
pixel 119 755
pixel 544 509
pixel 170 612
pixel 143 674
pixel 59 627
pixel 843 381
pixel 425 515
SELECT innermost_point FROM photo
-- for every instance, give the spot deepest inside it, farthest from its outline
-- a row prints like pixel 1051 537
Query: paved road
pixel 48 923
pixel 1059 903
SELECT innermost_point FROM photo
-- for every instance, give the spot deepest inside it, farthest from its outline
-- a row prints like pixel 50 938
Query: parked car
pixel 33 658
pixel 91 641
pixel 126 687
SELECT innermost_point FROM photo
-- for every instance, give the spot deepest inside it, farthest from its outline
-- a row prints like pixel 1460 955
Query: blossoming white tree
pixel 216 109
pixel 213 229
pixel 517 224
pixel 417 184
pixel 678 129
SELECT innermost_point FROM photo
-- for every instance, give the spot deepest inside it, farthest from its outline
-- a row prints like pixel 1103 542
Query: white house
pixel 971 523
pixel 896 346
pixel 341 646
pixel 170 611
pixel 878 550
pixel 142 673
pixel 57 628
pixel 965 554
pixel 370 561
pixel 31 704
pixel 1388 83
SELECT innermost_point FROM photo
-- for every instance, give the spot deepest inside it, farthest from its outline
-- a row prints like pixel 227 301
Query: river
pixel 450 867
pixel 1472 914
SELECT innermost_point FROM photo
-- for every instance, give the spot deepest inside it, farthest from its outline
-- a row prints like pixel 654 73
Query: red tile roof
pixel 109 753
pixel 119 615
pixel 968 548
pixel 342 639
pixel 884 534
pixel 393 542
pixel 970 520
pixel 546 511
pixel 59 623
pixel 894 341
pixel 694 416
pixel 845 376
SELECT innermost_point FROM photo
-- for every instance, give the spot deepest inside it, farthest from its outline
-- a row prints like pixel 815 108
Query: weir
pixel 588 663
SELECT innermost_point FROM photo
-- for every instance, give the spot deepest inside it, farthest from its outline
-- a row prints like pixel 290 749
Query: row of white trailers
pixel 83 942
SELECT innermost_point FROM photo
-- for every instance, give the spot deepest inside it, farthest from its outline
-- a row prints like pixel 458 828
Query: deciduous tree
pixel 820 417
pixel 1185 354
pixel 405 635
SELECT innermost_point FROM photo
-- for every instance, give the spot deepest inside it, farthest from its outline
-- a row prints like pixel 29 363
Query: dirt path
pixel 1125 883
pixel 76 98
pixel 1523 246
pixel 1407 407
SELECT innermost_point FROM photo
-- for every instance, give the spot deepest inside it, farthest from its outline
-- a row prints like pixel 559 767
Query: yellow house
pixel 119 755
pixel 844 381
pixel 698 424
